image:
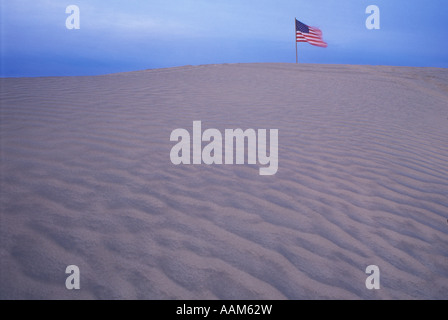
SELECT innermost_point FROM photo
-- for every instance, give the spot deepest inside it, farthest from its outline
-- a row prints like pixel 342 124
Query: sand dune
pixel 86 179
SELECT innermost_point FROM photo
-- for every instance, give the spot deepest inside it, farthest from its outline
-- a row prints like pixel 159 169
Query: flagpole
pixel 295 38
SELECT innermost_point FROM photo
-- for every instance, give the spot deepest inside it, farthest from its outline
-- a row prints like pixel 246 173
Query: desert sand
pixel 86 180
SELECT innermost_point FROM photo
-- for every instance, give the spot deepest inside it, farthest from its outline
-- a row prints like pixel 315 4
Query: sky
pixel 116 36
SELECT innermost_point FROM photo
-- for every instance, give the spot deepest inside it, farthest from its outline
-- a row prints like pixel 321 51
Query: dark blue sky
pixel 117 36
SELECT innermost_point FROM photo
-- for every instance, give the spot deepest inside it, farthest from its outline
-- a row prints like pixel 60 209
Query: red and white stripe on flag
pixel 314 37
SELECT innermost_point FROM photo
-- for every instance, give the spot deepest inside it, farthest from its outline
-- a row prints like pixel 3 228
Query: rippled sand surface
pixel 86 179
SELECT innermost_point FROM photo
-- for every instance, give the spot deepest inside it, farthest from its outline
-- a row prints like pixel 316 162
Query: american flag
pixel 308 34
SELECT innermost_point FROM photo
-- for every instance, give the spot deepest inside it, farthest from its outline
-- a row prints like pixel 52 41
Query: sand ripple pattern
pixel 86 179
